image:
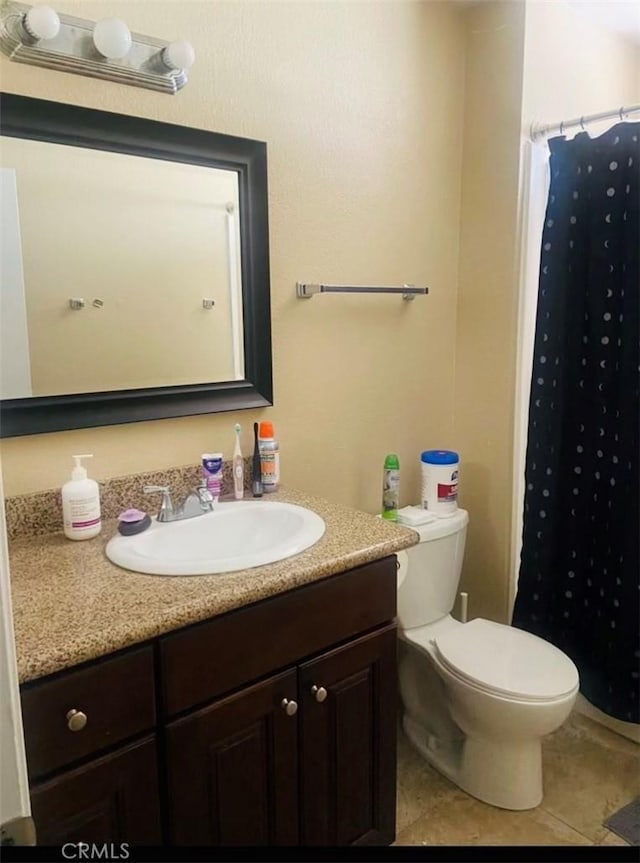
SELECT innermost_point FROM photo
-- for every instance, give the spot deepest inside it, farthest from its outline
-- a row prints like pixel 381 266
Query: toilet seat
pixel 500 660
pixel 507 661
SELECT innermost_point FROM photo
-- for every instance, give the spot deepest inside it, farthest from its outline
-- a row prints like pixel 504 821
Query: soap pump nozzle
pixel 79 471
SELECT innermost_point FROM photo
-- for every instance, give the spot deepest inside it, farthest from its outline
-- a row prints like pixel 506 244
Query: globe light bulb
pixel 42 22
pixel 112 38
pixel 179 55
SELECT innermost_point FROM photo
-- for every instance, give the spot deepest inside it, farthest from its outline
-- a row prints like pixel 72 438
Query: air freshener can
pixel 390 487
pixel 440 469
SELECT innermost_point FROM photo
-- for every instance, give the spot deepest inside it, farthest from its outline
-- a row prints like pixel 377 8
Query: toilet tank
pixel 429 573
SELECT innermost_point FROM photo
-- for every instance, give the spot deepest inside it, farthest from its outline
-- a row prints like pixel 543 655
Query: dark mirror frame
pixel 37 119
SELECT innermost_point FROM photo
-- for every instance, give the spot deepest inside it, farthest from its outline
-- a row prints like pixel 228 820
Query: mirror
pixel 135 270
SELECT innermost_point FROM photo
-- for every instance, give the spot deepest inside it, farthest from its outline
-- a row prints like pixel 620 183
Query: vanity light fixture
pixel 40 36
pixel 41 22
pixel 178 55
pixel 112 38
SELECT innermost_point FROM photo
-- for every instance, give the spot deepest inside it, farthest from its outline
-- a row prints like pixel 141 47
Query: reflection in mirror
pixel 165 310
pixel 134 267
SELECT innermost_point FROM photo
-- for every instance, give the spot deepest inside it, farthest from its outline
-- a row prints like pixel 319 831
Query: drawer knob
pixel 76 720
pixel 319 693
pixel 289 707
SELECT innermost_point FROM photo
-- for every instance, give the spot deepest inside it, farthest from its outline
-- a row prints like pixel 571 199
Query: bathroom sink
pixel 236 535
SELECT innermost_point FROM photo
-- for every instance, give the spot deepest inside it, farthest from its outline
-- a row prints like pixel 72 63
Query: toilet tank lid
pixel 507 660
pixel 441 527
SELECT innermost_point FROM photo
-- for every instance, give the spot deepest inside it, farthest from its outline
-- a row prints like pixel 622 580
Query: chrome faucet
pixel 197 502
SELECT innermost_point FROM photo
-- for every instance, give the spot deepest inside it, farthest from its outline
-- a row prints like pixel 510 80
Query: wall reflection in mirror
pixel 118 272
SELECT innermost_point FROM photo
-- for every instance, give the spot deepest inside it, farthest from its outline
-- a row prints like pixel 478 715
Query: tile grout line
pixel 567 824
pixel 411 823
pixel 540 807
pixel 420 816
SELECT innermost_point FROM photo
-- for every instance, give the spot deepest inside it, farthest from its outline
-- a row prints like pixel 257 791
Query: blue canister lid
pixel 439 456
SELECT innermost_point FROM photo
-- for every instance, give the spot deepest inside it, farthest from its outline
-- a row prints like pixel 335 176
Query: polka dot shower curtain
pixel 580 570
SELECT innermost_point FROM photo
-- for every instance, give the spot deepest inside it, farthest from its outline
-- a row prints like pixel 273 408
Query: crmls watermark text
pixel 87 851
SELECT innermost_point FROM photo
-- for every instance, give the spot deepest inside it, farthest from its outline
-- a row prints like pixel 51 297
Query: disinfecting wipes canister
pixel 440 481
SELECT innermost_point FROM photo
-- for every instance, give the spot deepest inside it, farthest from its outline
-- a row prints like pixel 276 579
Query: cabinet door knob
pixel 319 693
pixel 76 720
pixel 289 707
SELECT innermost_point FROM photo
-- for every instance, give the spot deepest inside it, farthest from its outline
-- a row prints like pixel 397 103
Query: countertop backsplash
pixel 41 512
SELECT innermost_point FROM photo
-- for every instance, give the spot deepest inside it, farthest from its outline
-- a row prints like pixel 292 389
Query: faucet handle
pixel 165 512
pixel 207 500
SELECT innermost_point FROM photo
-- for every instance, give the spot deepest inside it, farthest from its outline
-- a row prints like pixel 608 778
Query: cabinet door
pixel 233 769
pixel 348 743
pixel 112 799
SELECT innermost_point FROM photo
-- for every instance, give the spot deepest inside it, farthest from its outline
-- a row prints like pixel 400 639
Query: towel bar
pixel 304 290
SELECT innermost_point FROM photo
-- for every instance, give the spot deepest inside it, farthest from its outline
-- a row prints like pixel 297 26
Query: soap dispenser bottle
pixel 81 503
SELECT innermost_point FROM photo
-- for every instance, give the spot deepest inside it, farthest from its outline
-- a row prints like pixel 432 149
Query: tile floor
pixel 589 773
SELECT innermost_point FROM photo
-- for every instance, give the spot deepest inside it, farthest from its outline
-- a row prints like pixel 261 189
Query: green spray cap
pixel 392 462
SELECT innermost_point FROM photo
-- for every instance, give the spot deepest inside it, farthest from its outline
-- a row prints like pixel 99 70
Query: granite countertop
pixel 71 604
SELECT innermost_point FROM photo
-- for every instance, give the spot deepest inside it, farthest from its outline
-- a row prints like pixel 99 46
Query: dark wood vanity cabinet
pixel 274 724
pixel 304 757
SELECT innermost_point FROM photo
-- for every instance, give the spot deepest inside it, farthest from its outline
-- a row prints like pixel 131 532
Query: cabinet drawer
pixel 116 696
pixel 208 659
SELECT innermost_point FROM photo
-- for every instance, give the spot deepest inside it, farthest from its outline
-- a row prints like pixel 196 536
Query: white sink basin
pixel 236 535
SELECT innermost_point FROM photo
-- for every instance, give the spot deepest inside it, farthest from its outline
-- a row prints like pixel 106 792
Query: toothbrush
pixel 256 480
pixel 238 467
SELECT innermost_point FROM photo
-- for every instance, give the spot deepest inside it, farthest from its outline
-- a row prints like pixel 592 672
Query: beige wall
pixel 486 332
pixel 536 62
pixel 361 107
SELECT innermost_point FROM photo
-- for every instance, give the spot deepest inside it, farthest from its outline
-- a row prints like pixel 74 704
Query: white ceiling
pixel 622 16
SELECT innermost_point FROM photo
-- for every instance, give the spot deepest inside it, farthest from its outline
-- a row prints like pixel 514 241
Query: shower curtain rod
pixel 542 131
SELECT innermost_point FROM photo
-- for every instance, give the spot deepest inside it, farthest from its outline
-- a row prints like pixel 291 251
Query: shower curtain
pixel 579 582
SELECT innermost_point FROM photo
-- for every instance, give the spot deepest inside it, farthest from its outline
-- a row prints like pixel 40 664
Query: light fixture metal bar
pixel 305 290
pixel 72 50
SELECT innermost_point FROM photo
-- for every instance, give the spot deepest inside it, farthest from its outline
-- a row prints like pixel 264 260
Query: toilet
pixel 477 697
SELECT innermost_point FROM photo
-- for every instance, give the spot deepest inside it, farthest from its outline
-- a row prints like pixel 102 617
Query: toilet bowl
pixel 477 697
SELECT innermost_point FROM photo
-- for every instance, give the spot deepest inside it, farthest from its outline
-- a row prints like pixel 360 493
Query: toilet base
pixel 443 756
pixel 506 775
